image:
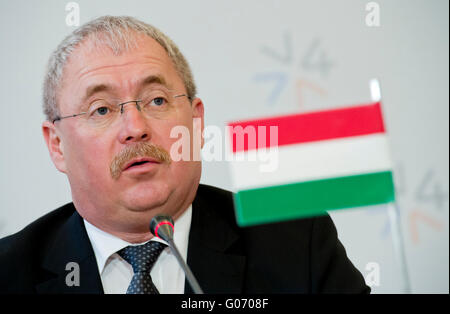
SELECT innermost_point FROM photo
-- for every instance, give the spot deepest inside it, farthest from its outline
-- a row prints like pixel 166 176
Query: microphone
pixel 162 227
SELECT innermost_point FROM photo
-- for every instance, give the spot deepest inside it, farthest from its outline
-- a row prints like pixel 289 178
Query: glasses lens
pixel 156 104
pixel 102 113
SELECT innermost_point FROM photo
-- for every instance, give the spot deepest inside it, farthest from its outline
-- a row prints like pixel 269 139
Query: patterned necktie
pixel 142 257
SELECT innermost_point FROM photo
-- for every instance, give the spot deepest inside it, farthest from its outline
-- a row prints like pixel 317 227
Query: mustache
pixel 142 149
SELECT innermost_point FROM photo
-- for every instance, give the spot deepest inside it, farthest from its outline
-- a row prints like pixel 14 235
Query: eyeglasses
pixel 103 112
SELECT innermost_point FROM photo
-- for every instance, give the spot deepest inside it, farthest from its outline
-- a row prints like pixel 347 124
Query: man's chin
pixel 146 200
pixel 144 204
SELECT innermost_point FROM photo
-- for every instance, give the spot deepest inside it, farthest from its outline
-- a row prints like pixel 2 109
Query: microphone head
pixel 161 226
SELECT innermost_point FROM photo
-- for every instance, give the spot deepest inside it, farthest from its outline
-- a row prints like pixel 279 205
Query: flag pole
pixel 399 247
pixel 394 214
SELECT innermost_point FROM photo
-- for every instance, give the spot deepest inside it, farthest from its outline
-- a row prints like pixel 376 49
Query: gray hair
pixel 117 33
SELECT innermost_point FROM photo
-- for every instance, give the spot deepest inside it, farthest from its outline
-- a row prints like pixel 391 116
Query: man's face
pixel 123 204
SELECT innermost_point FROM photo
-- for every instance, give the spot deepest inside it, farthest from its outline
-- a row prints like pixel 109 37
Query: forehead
pixel 95 63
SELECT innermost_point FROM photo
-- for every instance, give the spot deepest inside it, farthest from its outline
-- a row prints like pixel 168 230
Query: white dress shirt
pixel 116 273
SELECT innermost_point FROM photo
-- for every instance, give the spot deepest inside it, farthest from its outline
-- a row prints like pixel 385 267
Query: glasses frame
pixel 58 118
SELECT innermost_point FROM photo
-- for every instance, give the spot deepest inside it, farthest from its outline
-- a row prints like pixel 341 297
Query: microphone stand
pixel 166 234
pixel 190 277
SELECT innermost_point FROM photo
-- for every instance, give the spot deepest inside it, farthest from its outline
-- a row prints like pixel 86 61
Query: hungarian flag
pixel 302 165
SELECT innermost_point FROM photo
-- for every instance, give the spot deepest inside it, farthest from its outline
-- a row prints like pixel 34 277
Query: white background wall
pixel 258 58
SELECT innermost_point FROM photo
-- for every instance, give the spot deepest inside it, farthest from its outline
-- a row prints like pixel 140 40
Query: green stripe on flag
pixel 312 198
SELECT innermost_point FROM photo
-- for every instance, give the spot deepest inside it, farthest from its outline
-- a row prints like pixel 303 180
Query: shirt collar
pixel 105 245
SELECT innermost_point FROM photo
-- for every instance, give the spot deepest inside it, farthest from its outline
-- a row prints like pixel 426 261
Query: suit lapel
pixel 213 250
pixel 71 245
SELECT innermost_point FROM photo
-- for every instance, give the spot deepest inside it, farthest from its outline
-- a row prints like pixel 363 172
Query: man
pixel 114 90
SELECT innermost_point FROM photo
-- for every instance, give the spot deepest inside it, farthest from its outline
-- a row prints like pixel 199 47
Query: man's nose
pixel 134 125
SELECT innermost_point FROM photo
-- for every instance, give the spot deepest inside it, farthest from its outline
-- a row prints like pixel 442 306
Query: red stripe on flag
pixel 310 127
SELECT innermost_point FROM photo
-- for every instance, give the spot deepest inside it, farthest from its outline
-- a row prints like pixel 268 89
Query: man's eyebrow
pixel 151 79
pixel 155 79
pixel 91 90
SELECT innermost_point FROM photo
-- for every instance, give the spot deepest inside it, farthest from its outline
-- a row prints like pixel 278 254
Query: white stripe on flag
pixel 314 161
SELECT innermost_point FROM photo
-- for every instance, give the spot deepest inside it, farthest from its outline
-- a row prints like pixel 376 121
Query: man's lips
pixel 139 161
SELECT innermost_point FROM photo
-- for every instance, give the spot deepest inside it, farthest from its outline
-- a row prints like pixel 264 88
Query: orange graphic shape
pixel 415 217
pixel 301 84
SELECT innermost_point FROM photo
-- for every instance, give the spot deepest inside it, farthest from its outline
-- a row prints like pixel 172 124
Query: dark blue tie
pixel 142 257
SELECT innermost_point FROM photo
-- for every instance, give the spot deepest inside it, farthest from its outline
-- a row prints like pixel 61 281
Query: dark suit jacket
pixel 300 256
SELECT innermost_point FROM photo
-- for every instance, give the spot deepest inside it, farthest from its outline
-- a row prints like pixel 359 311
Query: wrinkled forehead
pixel 98 55
pixel 101 44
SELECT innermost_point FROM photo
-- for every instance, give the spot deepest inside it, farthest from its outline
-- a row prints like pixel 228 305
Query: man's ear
pixel 54 145
pixel 198 112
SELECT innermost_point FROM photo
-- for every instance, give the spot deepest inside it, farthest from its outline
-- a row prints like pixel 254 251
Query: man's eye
pixel 158 101
pixel 102 110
